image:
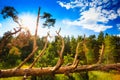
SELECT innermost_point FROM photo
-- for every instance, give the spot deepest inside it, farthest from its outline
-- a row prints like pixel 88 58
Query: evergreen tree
pixel 73 44
pixel 109 51
pixel 100 38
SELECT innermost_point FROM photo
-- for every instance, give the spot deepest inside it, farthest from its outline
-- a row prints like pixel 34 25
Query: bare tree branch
pixel 36 30
pixel 7 36
pixel 60 61
pixel 41 53
pixel 26 59
pixel 35 47
pixel 101 54
pixel 76 55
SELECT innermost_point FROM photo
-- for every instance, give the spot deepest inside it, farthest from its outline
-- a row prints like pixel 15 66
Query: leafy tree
pixel 67 45
pixel 49 21
pixel 9 11
pixel 115 42
pixel 91 53
pixel 109 49
pixel 73 44
pixel 100 38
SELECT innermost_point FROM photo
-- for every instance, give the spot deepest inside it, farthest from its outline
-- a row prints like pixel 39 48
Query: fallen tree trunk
pixel 61 70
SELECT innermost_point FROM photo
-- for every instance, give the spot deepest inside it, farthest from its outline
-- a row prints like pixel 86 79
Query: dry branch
pixel 76 55
pixel 60 61
pixel 101 54
pixel 41 53
pixel 26 59
pixel 35 47
pixel 7 36
pixel 76 61
pixel 36 30
pixel 61 70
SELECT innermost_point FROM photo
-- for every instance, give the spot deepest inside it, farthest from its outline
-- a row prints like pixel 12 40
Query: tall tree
pixel 73 44
pixel 100 38
pixel 91 49
pixel 109 49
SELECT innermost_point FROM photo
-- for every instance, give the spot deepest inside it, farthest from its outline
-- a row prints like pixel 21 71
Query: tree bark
pixel 61 70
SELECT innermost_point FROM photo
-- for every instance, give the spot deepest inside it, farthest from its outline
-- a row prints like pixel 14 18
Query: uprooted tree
pixel 59 68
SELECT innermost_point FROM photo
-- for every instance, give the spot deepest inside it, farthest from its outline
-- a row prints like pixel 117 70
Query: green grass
pixel 12 78
pixel 98 75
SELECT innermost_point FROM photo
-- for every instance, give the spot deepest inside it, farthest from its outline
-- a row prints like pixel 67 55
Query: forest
pixel 88 57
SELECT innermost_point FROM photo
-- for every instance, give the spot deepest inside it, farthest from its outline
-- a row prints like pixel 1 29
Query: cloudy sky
pixel 74 17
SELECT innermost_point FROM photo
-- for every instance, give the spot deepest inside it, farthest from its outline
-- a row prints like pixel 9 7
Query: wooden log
pixel 61 70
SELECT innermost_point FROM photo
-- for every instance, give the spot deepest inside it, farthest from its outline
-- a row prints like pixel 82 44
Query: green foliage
pixel 49 21
pixel 73 44
pixel 68 59
pixel 98 75
pixel 9 11
pixel 12 78
pixel 109 49
pixel 91 53
pixel 61 77
pixel 10 61
pixel 88 53
pixel 100 38
pixel 14 51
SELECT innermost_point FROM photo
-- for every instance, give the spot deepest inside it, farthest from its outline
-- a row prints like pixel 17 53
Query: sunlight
pixel 28 21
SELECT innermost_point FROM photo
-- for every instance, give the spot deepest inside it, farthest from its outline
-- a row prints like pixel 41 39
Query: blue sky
pixel 75 17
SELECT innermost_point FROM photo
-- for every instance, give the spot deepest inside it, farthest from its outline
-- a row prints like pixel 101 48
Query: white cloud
pixel 95 17
pixel 118 35
pixel 67 6
pixel 90 25
pixel 118 11
pixel 89 20
pixel 29 22
pixel 118 25
pixel 73 4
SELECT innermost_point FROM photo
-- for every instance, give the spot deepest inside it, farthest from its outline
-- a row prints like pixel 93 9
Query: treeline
pixel 17 48
pixel 14 49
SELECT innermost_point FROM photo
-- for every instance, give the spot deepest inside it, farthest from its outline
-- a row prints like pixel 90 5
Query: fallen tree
pixel 61 70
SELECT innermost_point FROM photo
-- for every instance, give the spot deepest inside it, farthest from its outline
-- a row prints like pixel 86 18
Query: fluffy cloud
pixel 73 4
pixel 95 17
pixel 118 25
pixel 90 20
pixel 67 6
pixel 118 11
pixel 90 25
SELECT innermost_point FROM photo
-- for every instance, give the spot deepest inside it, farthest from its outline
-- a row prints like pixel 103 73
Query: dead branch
pixel 75 62
pixel 61 70
pixel 76 55
pixel 26 59
pixel 36 30
pixel 60 61
pixel 41 53
pixel 7 36
pixel 101 54
pixel 35 47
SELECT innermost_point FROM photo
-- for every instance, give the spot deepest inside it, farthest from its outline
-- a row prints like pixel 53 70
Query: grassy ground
pixel 98 75
pixel 12 78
